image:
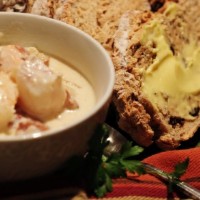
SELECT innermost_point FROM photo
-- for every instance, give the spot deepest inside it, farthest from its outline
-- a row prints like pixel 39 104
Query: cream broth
pixel 79 88
pixel 39 92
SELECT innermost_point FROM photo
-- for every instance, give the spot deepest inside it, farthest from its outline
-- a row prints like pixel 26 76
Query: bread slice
pixel 98 18
pixel 156 56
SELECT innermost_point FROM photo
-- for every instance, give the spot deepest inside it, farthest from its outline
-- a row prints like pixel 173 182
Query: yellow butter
pixel 170 81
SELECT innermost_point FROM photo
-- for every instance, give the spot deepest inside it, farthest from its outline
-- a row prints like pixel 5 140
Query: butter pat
pixel 171 82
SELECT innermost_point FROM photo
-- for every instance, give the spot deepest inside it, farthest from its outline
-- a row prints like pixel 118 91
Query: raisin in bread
pixel 156 56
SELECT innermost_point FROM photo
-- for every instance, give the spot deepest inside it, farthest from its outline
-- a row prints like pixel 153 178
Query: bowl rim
pixel 103 100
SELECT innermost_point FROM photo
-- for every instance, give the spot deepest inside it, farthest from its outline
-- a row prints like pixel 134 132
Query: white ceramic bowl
pixel 26 156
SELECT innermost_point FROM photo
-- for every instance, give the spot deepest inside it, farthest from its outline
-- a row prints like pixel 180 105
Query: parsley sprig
pixel 174 177
pixel 104 168
pixel 97 170
pixel 116 165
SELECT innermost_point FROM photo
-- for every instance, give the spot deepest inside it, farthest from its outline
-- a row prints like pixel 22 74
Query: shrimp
pixel 8 100
pixel 11 58
pixel 41 92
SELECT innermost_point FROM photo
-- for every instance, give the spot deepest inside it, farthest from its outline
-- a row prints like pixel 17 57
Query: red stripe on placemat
pixel 131 187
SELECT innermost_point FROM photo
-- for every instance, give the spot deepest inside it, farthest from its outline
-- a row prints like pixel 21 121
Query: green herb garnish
pixel 97 170
pixel 174 177
pixel 103 168
pixel 116 165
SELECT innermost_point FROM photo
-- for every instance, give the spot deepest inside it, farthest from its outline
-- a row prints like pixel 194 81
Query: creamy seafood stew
pixel 39 92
